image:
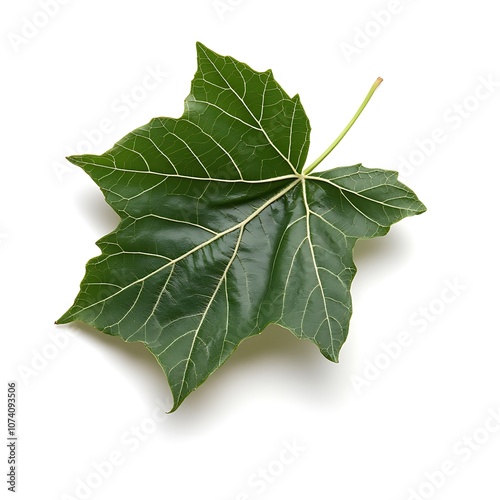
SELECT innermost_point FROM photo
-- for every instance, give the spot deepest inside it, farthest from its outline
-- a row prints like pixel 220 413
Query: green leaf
pixel 222 234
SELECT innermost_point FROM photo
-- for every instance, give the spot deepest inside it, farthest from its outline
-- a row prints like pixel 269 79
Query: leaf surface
pixel 222 234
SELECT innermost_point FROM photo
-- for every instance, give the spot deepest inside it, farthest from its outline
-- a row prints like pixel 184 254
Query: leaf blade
pixel 221 234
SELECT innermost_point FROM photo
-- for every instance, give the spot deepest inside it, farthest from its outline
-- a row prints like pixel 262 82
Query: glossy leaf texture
pixel 221 234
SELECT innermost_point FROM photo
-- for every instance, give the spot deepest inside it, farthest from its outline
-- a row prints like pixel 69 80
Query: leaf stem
pixel 334 144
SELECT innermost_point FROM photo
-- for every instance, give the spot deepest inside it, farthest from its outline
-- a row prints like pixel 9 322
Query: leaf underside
pixel 220 232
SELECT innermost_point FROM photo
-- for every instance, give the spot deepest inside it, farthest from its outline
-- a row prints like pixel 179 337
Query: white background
pixel 84 396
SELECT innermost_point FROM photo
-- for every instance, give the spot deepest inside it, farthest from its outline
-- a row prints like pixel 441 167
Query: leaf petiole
pixel 334 144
